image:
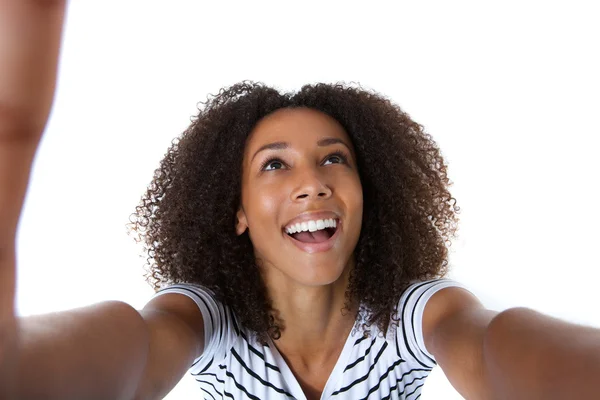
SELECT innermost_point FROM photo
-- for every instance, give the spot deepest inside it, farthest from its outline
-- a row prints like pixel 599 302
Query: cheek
pixel 263 213
pixel 357 205
pixel 269 204
pixel 357 194
pixel 264 205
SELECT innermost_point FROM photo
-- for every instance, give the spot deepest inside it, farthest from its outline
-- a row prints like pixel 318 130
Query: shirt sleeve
pixel 219 322
pixel 409 334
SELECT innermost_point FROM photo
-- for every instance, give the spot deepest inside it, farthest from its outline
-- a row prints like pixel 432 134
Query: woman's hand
pixel 30 34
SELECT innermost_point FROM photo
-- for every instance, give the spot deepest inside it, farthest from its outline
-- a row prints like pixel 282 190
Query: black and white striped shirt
pixel 392 367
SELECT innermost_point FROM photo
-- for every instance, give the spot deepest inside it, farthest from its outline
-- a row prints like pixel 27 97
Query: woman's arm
pixel 176 329
pixel 94 352
pixel 109 350
pixel 30 34
pixel 104 351
pixel 530 355
pixel 515 354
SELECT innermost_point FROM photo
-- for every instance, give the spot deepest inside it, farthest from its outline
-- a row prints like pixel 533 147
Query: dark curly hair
pixel 187 216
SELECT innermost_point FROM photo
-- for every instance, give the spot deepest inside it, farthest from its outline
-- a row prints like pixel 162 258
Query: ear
pixel 242 222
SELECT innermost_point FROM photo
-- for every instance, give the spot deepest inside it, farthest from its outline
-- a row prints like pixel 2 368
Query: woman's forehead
pixel 296 126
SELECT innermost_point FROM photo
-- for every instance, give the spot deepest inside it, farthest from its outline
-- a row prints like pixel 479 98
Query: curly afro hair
pixel 187 216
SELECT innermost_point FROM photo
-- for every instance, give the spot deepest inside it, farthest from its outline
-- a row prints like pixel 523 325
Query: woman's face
pixel 299 168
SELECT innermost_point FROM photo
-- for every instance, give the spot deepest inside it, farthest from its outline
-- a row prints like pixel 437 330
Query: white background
pixel 509 90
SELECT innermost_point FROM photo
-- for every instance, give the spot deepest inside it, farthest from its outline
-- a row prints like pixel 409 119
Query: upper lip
pixel 311 216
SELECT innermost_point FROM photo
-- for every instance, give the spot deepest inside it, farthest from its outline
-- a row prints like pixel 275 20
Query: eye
pixel 271 164
pixel 338 158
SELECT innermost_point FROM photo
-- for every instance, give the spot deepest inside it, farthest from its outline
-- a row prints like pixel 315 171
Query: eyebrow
pixel 284 145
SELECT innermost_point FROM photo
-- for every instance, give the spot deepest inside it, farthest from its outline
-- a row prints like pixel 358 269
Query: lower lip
pixel 316 247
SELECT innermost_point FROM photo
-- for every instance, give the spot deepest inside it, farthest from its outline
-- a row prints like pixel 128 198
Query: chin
pixel 317 275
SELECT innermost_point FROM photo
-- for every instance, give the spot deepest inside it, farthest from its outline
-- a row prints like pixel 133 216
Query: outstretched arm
pixel 515 354
pixel 30 33
pixel 103 351
pixel 530 355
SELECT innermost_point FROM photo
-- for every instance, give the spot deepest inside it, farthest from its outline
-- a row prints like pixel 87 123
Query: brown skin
pixel 308 290
pixel 30 34
pixel 303 180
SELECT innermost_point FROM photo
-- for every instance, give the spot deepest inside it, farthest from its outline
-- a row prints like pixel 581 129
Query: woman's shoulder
pixel 214 311
pixel 221 327
pixel 193 290
pixel 415 296
pixel 421 290
pixel 409 316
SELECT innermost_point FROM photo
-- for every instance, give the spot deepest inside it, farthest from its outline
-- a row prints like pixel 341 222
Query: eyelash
pixel 343 157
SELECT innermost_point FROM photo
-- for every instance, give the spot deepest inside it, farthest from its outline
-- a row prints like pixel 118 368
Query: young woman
pixel 297 243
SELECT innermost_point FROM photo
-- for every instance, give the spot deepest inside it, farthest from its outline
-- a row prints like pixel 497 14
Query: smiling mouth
pixel 319 236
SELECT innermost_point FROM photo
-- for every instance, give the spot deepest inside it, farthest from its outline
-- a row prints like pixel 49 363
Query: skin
pixel 307 289
pixel 30 34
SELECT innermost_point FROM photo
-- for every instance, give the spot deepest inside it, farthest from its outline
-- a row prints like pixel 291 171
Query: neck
pixel 315 328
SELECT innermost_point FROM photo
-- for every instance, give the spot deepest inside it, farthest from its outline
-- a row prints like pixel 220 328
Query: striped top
pixel 235 366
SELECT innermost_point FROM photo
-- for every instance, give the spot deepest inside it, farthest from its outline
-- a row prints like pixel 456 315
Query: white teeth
pixel 312 226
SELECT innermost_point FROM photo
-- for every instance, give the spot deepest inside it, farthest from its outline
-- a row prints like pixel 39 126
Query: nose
pixel 311 186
